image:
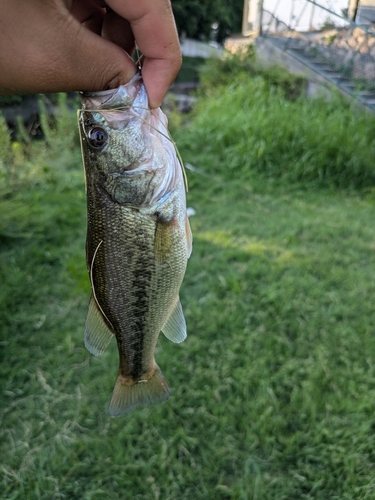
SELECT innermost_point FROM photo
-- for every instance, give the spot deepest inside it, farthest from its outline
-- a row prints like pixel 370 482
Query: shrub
pixel 243 63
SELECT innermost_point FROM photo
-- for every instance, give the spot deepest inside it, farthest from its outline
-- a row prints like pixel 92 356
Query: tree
pixel 208 20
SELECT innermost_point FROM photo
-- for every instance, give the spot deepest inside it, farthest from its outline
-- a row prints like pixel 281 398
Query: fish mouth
pixel 121 97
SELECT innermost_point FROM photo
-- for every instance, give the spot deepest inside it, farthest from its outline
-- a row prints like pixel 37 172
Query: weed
pixel 246 127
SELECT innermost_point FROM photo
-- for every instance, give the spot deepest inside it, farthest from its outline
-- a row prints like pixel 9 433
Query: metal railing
pixel 322 37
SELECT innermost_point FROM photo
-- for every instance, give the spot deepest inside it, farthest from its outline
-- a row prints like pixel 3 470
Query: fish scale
pixel 138 238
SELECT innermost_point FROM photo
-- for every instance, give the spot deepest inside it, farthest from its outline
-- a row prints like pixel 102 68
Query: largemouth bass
pixel 138 237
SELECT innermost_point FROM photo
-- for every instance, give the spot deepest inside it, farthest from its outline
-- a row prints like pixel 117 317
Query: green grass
pixel 272 392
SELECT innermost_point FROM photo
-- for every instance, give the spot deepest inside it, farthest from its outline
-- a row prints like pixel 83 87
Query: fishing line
pixel 92 282
pixel 200 172
pixel 138 58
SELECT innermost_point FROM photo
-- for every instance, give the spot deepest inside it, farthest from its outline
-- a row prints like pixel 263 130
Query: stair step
pixel 334 76
pixel 297 48
pixel 323 66
pixel 348 88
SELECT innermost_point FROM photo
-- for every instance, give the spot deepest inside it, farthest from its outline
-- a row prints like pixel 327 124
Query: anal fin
pixel 97 333
pixel 175 326
pixel 126 398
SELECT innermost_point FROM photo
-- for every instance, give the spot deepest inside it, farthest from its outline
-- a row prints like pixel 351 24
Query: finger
pixel 154 29
pixel 88 13
pixel 117 30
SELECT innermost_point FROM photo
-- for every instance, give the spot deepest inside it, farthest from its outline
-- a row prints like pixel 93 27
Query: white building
pixel 362 11
pixel 304 15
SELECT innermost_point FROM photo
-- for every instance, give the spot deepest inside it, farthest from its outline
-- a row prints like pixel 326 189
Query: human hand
pixel 66 45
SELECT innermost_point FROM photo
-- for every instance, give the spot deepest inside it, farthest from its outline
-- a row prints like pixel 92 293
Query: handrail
pixel 353 23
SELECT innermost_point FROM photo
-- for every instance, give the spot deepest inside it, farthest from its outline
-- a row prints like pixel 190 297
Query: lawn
pixel 273 392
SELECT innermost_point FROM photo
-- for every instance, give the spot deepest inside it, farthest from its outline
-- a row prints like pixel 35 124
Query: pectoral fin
pixel 97 332
pixel 175 326
pixel 163 240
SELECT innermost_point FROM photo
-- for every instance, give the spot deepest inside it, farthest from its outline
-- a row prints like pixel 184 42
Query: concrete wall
pixel 194 48
pixel 270 55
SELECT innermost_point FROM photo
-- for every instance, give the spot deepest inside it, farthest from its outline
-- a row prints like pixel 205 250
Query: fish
pixel 138 237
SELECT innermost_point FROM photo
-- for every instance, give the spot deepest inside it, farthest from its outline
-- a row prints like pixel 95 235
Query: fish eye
pixel 98 137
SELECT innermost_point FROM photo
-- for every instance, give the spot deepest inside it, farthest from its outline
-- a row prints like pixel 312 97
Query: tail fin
pixel 126 398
